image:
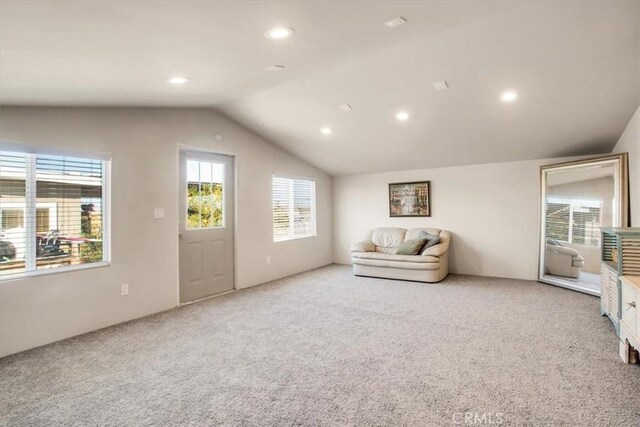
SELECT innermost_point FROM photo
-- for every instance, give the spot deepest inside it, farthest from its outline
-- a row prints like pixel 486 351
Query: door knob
pixel 179 235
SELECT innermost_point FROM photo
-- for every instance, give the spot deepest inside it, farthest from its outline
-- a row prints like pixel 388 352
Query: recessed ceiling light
pixel 403 116
pixel 345 107
pixel 509 96
pixel 178 80
pixel 279 33
pixel 325 130
pixel 396 22
pixel 276 68
pixel 443 85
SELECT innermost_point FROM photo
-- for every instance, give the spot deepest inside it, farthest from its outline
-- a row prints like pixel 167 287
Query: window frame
pixel 31 152
pixel 186 192
pixel 290 237
pixel 573 204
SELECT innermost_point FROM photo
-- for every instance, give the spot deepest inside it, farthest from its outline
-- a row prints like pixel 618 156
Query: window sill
pixel 295 238
pixel 58 270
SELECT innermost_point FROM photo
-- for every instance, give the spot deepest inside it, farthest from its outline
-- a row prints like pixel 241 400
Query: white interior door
pixel 206 225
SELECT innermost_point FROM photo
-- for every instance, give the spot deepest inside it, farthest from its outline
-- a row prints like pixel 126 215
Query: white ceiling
pixel 576 66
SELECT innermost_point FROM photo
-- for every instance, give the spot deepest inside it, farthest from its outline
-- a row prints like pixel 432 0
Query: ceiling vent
pixel 345 107
pixel 276 68
pixel 396 22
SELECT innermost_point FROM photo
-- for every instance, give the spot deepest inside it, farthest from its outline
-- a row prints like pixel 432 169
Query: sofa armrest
pixel 436 250
pixel 559 263
pixel 364 246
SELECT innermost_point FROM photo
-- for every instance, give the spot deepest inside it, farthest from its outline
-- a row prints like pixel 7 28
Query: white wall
pixel 629 142
pixel 143 144
pixel 491 209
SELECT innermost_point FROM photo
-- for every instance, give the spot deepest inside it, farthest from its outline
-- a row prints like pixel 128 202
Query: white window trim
pixel 30 197
pixel 56 270
pixel 291 236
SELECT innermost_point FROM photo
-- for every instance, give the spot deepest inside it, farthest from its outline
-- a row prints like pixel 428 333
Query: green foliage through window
pixel 204 205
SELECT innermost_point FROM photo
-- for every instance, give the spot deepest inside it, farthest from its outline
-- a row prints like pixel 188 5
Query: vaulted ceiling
pixel 575 65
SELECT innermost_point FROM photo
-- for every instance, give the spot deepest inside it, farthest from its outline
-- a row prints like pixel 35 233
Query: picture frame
pixel 410 199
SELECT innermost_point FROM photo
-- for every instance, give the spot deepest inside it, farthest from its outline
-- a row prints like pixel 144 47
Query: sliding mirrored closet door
pixel 577 200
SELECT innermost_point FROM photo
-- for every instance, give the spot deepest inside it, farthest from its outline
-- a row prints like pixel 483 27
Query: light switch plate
pixel 158 213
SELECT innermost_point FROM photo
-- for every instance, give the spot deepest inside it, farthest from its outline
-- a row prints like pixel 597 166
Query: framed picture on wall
pixel 410 199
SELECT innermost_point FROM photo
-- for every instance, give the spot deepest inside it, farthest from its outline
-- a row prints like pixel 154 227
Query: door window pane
pixel 205 195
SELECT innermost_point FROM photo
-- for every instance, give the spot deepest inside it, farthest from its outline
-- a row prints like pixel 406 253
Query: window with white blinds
pixel 294 208
pixel 574 221
pixel 52 212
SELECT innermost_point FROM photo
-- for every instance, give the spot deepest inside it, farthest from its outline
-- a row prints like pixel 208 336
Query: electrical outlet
pixel 268 260
pixel 124 289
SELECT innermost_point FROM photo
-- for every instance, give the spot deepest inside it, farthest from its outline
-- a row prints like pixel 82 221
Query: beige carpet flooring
pixel 326 348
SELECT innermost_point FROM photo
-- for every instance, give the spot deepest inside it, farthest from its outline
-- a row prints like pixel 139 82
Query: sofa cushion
pixel 395 257
pixel 398 264
pixel 414 233
pixel 430 240
pixel 552 242
pixel 563 250
pixel 388 237
pixel 411 247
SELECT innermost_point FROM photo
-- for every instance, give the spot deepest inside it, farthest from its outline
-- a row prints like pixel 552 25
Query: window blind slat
pixel 293 208
pixel 51 213
pixel 574 221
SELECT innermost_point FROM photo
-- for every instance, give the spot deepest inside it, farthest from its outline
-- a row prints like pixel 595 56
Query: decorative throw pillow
pixel 431 239
pixel 410 247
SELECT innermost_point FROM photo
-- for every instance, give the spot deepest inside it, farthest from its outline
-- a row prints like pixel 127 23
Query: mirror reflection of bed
pixel 578 201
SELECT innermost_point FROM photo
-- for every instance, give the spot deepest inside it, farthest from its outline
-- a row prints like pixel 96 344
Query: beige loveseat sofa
pixel 563 261
pixel 376 257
